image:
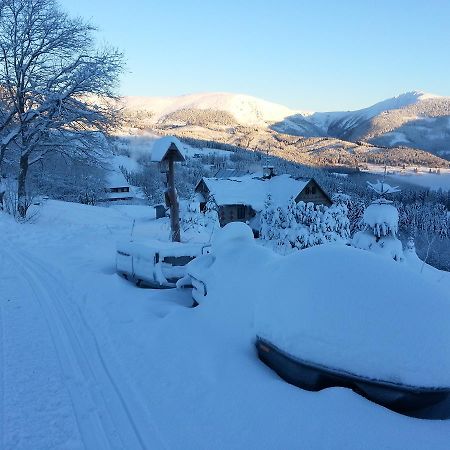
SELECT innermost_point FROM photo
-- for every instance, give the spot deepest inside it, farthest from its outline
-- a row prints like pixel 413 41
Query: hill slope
pixel 415 120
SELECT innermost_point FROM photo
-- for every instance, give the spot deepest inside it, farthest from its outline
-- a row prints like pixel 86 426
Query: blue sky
pixel 313 55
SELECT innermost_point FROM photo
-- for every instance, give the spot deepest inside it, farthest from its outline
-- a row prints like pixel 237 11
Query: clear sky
pixel 314 55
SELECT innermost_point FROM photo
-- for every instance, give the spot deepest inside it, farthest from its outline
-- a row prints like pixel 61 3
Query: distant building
pixel 118 189
pixel 242 198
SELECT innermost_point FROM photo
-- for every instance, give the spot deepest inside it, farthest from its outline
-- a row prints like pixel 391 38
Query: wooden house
pixel 242 198
pixel 117 189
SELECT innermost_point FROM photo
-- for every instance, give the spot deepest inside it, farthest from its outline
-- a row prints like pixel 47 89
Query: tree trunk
pixel 22 200
pixel 174 208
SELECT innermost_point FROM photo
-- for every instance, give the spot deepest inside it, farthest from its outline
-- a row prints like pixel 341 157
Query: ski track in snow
pixel 107 412
pixel 2 381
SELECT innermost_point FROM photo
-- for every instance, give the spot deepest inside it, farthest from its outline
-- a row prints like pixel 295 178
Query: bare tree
pixel 57 87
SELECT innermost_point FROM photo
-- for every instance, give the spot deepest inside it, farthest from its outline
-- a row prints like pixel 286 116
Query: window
pixel 241 212
pixel 307 190
pixel 313 190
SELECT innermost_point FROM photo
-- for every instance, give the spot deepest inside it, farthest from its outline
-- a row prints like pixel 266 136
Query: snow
pixel 115 178
pixel 382 188
pixel 149 247
pixel 430 180
pixel 324 119
pixel 372 317
pixel 105 365
pixel 160 147
pixel 382 218
pixel 247 110
pixel 418 175
pixel 130 164
pixel 388 246
pixel 232 233
pixel 252 190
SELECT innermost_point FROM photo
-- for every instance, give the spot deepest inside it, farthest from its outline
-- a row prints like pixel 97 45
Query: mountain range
pixel 413 120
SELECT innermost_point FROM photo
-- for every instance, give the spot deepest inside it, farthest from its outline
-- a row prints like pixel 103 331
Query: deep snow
pixel 90 361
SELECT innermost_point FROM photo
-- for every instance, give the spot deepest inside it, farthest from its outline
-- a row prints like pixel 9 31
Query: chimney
pixel 268 172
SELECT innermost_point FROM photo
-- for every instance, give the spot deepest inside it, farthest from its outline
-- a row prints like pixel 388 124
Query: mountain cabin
pixel 242 198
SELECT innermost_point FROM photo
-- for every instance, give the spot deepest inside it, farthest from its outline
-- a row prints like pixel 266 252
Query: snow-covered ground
pixel 421 177
pixel 87 360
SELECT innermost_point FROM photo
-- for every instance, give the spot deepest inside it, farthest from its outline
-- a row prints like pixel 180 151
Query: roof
pixel 252 190
pixel 115 178
pixel 168 143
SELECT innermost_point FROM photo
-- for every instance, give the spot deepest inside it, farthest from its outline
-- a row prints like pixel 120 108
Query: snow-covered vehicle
pixel 358 320
pixel 333 315
pixel 155 264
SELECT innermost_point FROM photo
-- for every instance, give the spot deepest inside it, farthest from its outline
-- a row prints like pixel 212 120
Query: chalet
pixel 117 189
pixel 242 198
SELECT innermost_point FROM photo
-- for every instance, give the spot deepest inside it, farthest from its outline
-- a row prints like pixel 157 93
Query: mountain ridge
pixel 414 119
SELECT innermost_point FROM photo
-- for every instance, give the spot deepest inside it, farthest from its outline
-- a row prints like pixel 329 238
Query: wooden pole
pixel 174 207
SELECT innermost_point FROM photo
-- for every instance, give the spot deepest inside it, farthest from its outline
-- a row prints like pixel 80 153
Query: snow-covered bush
pixel 381 218
pixel 380 222
pixel 301 225
pixel 193 219
pixel 211 216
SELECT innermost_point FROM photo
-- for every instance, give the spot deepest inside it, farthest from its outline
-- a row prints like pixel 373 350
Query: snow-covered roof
pixel 253 189
pixel 161 147
pixel 115 179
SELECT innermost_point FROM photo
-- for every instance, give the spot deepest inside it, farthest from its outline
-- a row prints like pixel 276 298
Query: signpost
pixel 167 151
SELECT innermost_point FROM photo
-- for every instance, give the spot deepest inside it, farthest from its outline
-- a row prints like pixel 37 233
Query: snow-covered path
pixel 105 412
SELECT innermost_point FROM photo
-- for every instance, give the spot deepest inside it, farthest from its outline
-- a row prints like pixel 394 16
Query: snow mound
pixel 353 311
pixel 233 232
pixel 388 246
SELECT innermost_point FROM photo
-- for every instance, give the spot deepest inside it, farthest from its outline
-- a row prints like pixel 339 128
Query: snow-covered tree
pixel 267 219
pixel 54 86
pixel 380 221
pixel 302 225
pixel 191 218
pixel 211 216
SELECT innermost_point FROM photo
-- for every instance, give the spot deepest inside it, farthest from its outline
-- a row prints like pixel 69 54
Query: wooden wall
pixel 235 213
pixel 313 193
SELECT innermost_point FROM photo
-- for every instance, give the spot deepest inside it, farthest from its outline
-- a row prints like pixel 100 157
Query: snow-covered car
pixel 354 319
pixel 155 264
pixel 333 315
pixel 232 254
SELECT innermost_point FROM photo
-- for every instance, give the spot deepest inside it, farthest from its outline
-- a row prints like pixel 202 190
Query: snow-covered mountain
pixel 246 110
pixel 414 119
